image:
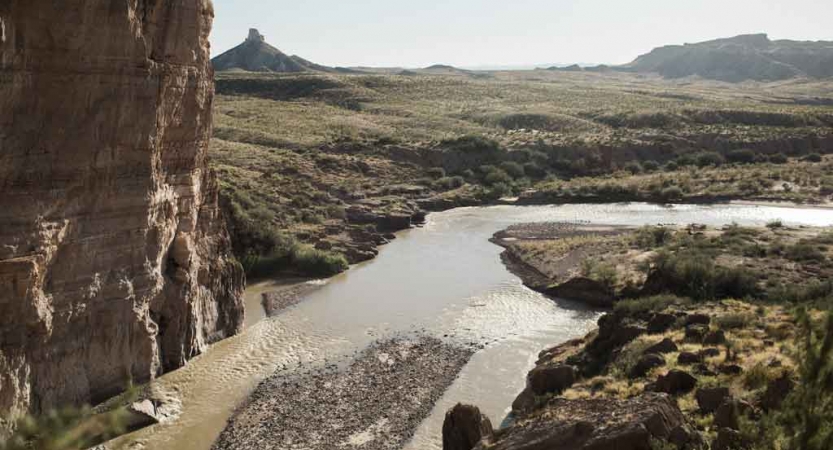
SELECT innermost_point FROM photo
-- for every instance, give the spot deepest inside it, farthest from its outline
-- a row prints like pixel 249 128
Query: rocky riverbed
pixel 376 401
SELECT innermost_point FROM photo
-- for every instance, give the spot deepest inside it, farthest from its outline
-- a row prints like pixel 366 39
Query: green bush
pixel 814 157
pixel 693 274
pixel 533 169
pixel 804 251
pixel 778 158
pixel 706 159
pixel 633 167
pixel 741 156
pixel 671 166
pixel 512 168
pixel 650 237
pixel 671 194
pixel 314 262
pixel 650 166
pixel 449 183
pixel 436 172
pixel 497 176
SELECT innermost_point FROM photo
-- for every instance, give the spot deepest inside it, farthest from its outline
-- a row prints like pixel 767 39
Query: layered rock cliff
pixel 114 260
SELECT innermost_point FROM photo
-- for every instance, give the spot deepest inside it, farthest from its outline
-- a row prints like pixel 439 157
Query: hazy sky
pixel 418 33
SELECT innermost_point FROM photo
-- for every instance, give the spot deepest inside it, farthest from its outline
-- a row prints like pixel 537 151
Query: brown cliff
pixel 114 260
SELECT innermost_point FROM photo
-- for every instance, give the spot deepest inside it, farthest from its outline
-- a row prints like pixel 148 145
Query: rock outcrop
pixel 114 260
pixel 630 424
pixel 464 427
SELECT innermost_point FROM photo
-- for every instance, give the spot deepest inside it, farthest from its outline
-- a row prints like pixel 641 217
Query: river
pixel 445 279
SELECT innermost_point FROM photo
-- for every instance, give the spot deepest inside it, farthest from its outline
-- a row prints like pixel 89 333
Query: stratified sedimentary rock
pixel 114 260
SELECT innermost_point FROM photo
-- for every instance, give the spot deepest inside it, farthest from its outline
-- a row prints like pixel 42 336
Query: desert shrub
pixel 496 176
pixel 650 237
pixel 775 224
pixel 804 251
pixel 448 183
pixel 436 172
pixel 310 216
pixel 734 321
pixel 642 305
pixel 499 190
pixel 311 261
pixel 814 290
pixel 650 166
pixel 633 167
pixel 778 158
pixel 472 145
pixel 694 274
pixel 741 156
pixel 814 157
pixel 826 186
pixel 671 194
pixel 706 159
pixel 671 166
pixel 533 169
pixel 512 168
pixel 756 377
pixel 468 174
pixel 605 274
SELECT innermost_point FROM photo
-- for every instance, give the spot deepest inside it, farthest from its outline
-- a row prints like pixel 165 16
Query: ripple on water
pixel 445 278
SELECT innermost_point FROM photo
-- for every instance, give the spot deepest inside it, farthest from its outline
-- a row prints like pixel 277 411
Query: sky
pixel 472 33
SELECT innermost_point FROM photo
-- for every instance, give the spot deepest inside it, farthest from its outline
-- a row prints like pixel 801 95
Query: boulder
pixel 584 290
pixel 715 337
pixel 688 358
pixel 551 379
pixel 709 399
pixel 464 427
pixel 777 391
pixel 662 347
pixel 596 423
pixel 661 322
pixel 728 413
pixel 698 319
pixel 684 437
pixel 645 364
pixel 696 333
pixel 709 352
pixel 614 333
pixel 394 222
pixel 728 439
pixel 730 369
pixel 676 382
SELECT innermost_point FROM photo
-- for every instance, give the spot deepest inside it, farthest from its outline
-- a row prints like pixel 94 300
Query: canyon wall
pixel 114 258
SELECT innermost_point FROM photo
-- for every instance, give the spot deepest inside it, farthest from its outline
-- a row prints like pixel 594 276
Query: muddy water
pixel 444 279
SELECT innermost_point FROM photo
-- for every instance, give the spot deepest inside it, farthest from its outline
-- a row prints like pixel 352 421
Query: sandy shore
pixel 375 402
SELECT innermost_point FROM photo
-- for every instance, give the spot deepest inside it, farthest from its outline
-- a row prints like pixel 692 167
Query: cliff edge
pixel 114 259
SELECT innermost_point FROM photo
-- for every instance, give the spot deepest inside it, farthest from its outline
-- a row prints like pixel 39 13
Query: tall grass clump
pixel 691 273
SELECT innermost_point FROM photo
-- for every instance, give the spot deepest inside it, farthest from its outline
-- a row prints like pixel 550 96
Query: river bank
pixel 679 356
pixel 376 402
pixel 444 278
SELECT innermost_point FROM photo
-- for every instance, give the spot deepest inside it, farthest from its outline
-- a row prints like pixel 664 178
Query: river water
pixel 444 279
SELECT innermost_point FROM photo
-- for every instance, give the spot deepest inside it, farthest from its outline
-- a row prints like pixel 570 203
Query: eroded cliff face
pixel 114 260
